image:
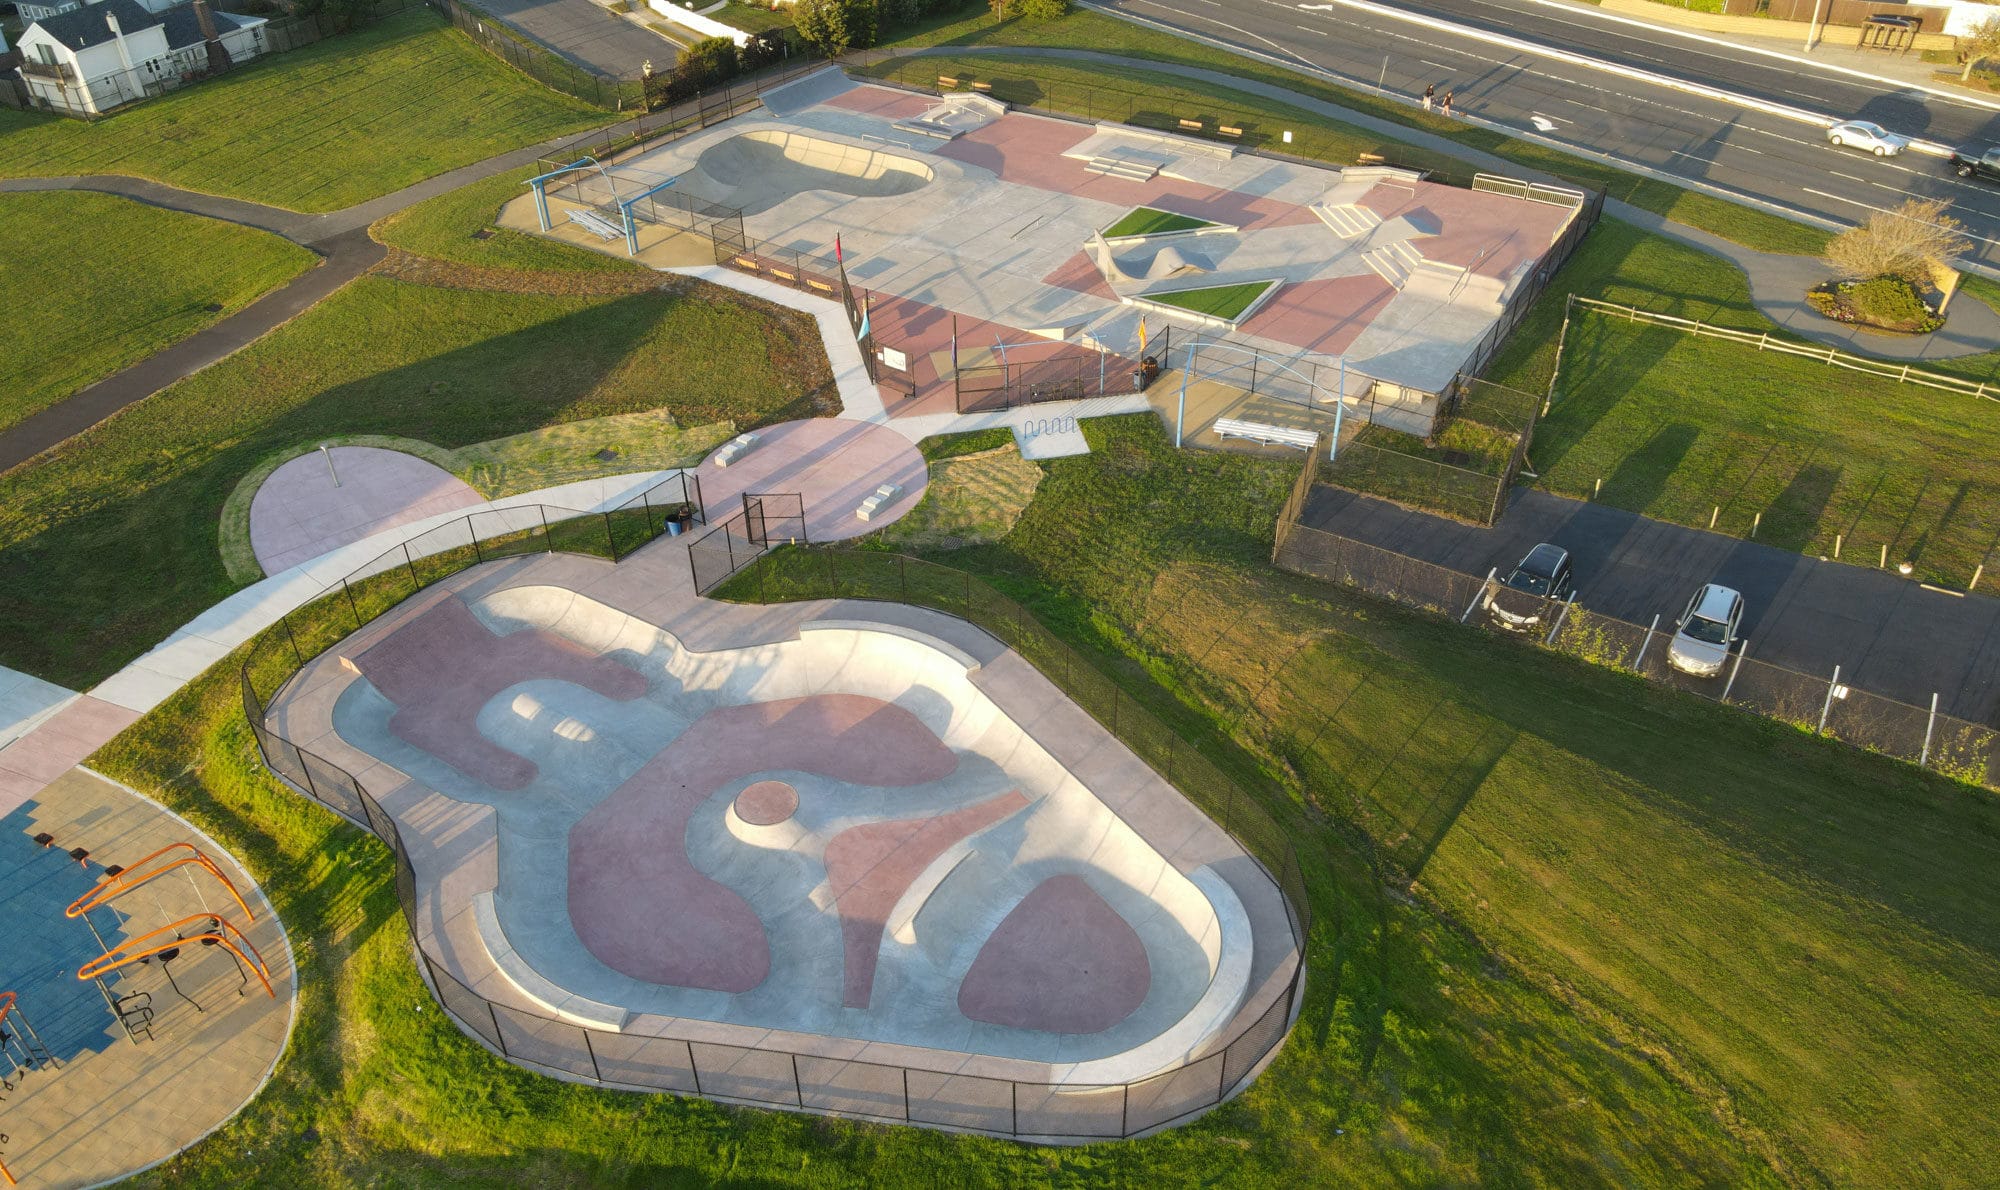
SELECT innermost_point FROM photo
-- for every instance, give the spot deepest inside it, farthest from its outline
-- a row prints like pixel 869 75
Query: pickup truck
pixel 1967 163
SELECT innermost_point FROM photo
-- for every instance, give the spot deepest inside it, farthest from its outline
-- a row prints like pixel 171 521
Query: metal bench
pixel 1269 435
pixel 596 225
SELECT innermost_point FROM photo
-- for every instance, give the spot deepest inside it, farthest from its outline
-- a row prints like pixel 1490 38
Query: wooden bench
pixel 947 82
pixel 595 225
pixel 1230 130
pixel 1369 159
pixel 979 86
pixel 1192 125
pixel 1269 435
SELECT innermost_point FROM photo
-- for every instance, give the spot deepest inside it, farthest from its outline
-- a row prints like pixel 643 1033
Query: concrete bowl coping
pixel 531 983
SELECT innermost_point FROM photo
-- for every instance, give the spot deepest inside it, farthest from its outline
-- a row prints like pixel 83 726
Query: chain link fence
pixel 1822 704
pixel 774 1077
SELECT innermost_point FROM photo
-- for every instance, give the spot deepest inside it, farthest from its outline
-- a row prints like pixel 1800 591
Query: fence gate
pixel 730 240
pixel 774 518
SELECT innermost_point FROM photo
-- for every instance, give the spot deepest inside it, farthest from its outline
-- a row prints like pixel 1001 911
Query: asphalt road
pixel 1889 635
pixel 1736 150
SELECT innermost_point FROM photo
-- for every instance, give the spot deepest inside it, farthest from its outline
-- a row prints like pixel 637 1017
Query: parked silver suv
pixel 1706 630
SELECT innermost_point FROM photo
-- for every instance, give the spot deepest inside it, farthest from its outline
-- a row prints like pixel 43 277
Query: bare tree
pixel 1979 45
pixel 1907 242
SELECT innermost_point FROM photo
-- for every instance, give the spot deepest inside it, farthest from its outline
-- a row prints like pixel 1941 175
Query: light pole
pixel 1812 27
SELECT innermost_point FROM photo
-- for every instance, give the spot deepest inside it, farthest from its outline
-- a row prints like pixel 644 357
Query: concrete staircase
pixel 1122 167
pixel 1348 220
pixel 1394 263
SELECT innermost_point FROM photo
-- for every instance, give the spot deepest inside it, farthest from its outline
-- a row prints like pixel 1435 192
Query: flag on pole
pixel 837 258
pixel 954 344
pixel 863 332
pixel 1142 335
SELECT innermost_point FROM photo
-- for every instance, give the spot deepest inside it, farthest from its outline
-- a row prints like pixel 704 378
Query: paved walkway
pixel 1777 282
pixel 1889 635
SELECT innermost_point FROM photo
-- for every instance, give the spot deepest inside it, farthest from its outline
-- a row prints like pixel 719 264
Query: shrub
pixel 899 12
pixel 761 50
pixel 1041 10
pixel 1888 301
pixel 835 26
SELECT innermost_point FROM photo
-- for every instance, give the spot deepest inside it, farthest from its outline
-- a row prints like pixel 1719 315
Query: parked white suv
pixel 1706 630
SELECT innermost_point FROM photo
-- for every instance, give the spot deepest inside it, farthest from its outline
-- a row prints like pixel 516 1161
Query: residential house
pixel 99 56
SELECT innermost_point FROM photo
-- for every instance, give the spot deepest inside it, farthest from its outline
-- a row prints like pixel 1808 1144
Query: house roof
pixel 81 28
pixel 184 30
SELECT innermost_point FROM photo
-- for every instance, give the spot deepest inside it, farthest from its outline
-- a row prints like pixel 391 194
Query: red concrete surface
pixel 923 332
pixel 767 803
pixel 1491 234
pixel 1324 316
pixel 441 668
pixel 637 901
pixel 833 463
pixel 1028 150
pixel 885 102
pixel 1079 274
pixel 1063 961
pixel 869 868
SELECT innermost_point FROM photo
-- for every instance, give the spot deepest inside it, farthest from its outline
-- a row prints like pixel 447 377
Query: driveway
pixel 1889 635
pixel 587 35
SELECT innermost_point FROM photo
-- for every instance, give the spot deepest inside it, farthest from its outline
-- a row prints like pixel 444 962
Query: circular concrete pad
pixel 833 463
pixel 300 512
pixel 767 803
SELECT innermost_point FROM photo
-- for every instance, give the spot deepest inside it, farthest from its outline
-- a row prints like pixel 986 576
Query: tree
pixel 1979 45
pixel 835 26
pixel 1908 242
pixel 998 8
pixel 710 60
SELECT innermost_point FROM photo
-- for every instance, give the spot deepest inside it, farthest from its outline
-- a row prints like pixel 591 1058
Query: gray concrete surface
pixel 1889 635
pixel 588 35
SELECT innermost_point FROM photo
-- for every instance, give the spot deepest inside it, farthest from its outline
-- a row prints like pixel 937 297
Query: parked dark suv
pixel 1542 579
pixel 1968 163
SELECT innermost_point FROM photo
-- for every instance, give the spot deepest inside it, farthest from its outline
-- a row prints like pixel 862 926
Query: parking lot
pixel 1888 634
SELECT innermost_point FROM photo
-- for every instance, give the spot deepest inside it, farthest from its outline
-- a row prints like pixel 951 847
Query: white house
pixel 47 8
pixel 96 57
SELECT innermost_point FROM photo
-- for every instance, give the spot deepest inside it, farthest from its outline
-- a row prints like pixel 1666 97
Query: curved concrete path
pixel 340 237
pixel 1777 282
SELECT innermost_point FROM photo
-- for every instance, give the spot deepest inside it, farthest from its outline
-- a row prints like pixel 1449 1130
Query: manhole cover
pixel 484 233
pixel 606 455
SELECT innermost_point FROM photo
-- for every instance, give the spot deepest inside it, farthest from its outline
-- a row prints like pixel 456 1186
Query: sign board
pixel 893 359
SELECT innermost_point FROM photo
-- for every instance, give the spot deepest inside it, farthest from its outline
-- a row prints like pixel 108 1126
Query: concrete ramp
pixel 817 87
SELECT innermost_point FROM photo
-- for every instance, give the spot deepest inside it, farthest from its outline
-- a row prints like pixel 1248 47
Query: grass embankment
pixel 1226 302
pixel 972 497
pixel 317 129
pixel 1676 425
pixel 1146 221
pixel 1418 1059
pixel 751 18
pixel 110 543
pixel 1083 30
pixel 95 283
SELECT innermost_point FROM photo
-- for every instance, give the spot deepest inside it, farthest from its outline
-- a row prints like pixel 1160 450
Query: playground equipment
pixel 219 931
pixel 119 881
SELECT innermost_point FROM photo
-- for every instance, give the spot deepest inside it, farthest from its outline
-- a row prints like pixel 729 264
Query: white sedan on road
pixel 1860 134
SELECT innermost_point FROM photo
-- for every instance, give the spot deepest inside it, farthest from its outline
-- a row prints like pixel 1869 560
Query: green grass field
pixel 317 129
pixel 1144 221
pixel 94 283
pixel 1677 426
pixel 110 543
pixel 1625 960
pixel 445 228
pixel 1227 302
pixel 1085 30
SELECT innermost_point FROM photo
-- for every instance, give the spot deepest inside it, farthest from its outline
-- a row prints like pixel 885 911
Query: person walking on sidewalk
pixel 1447 104
pixel 1430 92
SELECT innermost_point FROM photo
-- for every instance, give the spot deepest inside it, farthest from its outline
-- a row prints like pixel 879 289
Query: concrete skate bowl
pixel 836 842
pixel 755 171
